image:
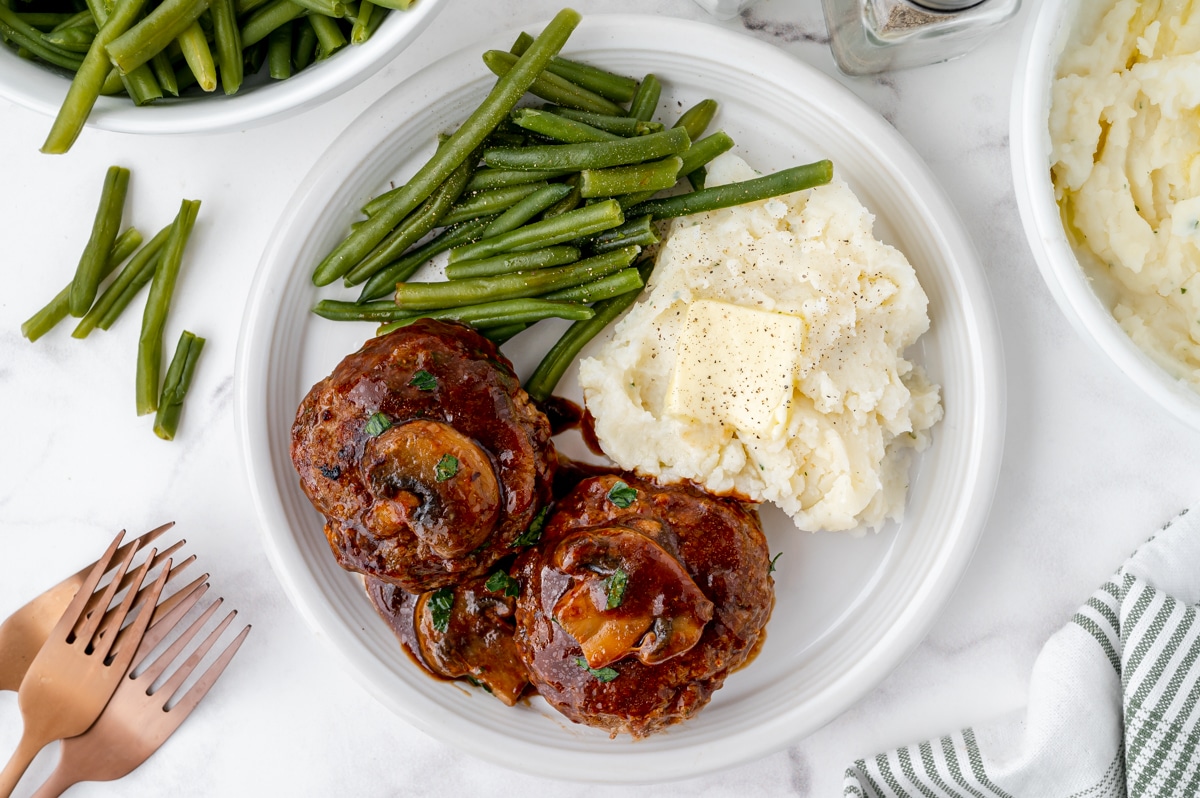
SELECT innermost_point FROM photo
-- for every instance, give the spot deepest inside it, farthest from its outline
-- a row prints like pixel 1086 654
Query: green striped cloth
pixel 1114 700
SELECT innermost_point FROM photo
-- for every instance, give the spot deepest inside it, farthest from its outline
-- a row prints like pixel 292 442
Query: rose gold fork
pixel 73 675
pixel 24 632
pixel 136 722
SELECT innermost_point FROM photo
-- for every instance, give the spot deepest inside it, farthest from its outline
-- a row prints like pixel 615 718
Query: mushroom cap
pixel 658 679
pixel 434 389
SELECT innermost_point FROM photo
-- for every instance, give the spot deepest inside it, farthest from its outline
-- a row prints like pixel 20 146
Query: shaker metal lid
pixel 947 5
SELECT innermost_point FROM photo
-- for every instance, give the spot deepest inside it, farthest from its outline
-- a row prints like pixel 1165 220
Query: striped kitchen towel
pixel 1114 700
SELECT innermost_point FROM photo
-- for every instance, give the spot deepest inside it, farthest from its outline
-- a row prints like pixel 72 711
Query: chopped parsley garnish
pixel 377 424
pixel 500 582
pixel 622 495
pixel 446 468
pixel 423 381
pixel 600 674
pixel 614 586
pixel 775 559
pixel 534 533
pixel 440 603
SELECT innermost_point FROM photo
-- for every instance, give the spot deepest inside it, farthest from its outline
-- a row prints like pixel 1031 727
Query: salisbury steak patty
pixel 424 455
pixel 640 600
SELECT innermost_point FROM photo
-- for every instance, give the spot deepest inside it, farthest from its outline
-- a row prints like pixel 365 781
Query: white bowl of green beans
pixel 191 66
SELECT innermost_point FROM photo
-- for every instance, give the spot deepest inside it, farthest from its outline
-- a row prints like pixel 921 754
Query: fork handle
pixel 58 783
pixel 27 749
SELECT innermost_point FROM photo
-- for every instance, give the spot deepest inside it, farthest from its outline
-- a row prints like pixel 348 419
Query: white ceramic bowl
pixel 848 609
pixel 1087 310
pixel 41 87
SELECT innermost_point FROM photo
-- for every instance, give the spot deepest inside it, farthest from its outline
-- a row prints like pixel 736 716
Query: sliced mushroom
pixel 630 596
pixel 431 479
pixel 471 638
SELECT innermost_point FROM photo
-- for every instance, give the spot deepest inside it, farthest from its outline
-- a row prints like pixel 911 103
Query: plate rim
pixel 914 621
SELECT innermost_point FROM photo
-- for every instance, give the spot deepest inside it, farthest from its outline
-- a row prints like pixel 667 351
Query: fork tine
pixel 109 623
pixel 167 657
pixel 209 677
pixel 185 670
pixel 155 559
pixel 137 543
pixel 74 611
pixel 120 660
pixel 102 646
pixel 161 627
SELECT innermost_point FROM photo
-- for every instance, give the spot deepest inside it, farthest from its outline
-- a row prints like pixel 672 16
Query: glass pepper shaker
pixel 869 36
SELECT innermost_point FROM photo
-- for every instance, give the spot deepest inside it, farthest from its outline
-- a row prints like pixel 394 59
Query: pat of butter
pixel 735 366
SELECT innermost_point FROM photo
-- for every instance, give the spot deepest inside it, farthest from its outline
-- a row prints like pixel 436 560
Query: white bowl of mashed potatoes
pixel 1106 166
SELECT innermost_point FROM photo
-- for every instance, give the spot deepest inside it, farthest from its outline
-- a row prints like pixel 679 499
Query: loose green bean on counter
pixel 148 49
pixel 550 204
pixel 157 263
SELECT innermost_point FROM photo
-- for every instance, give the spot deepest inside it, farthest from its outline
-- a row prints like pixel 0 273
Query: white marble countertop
pixel 1090 467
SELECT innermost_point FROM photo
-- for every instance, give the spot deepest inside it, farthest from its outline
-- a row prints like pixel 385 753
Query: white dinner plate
pixel 848 608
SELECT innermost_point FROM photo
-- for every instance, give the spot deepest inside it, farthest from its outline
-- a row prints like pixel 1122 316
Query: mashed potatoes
pixel 767 360
pixel 1125 131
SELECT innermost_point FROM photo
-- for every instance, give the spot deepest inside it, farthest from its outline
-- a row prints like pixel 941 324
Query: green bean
pixel 267 19
pixel 499 314
pixel 694 158
pixel 496 200
pixel 164 73
pixel 696 119
pixel 592 154
pixel 559 127
pixel 199 56
pixel 255 55
pixel 607 287
pixel 105 228
pixel 412 229
pixel 618 88
pixel 567 203
pixel 141 85
pixel 652 176
pixel 620 125
pixel 13 28
pixel 306 46
pixel 162 286
pixel 56 310
pixel 50 20
pixel 121 292
pixel 384 281
pixel 557 230
pixel 638 231
pixel 797 178
pixel 353 311
pixel 499 335
pixel 83 18
pixel 153 33
pixel 485 179
pixel 399 5
pixel 241 8
pixel 76 40
pixel 527 208
pixel 499 102
pixel 549 371
pixel 279 52
pixel 474 290
pixel 328 8
pixel 228 41
pixel 176 384
pixel 330 38
pixel 704 150
pixel 645 102
pixel 513 262
pixel 553 88
pixel 360 31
